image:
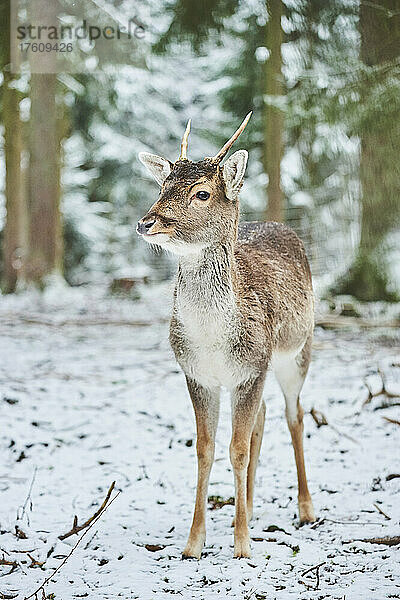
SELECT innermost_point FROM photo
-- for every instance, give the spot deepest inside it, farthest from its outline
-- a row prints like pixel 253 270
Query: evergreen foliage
pixel 338 99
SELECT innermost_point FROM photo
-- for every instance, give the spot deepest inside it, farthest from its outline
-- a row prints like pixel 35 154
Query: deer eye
pixel 202 195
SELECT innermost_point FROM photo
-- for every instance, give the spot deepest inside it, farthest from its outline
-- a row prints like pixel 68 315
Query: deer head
pixel 198 202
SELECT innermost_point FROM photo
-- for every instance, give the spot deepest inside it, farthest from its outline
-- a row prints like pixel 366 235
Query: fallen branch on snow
pixel 315 569
pixel 386 541
pixel 320 419
pixel 378 508
pixel 77 528
pixel 27 499
pixel 394 421
pixel 382 392
pixel 106 504
pixel 325 519
pixel 4 562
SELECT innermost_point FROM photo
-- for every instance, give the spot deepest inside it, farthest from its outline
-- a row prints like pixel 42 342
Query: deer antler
pixel 184 143
pixel 220 155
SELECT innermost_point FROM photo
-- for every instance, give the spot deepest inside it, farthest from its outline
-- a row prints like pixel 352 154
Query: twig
pixel 77 528
pixel 27 498
pixel 389 420
pixel 354 522
pixel 342 434
pixel 315 568
pixel 318 417
pixel 318 523
pixel 93 522
pixel 353 571
pixel 382 392
pixel 251 592
pixel 321 419
pixel 35 562
pixel 8 563
pixel 371 394
pixel 312 568
pixel 21 535
pixel 386 541
pixel 378 508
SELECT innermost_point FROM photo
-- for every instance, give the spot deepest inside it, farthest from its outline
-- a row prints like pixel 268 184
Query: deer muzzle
pixel 144 225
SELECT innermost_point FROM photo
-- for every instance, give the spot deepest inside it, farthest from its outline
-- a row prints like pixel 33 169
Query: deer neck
pixel 206 279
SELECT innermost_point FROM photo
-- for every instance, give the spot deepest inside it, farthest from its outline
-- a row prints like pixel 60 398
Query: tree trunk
pixel 273 117
pixel 45 229
pixel 14 238
pixel 45 241
pixel 368 277
pixel 380 39
pixel 14 233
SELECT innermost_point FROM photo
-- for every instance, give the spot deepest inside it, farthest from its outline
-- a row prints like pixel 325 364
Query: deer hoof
pixel 306 511
pixel 190 556
pixel 193 548
pixel 242 549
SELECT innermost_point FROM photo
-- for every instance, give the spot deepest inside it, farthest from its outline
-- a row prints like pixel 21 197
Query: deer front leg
pixel 206 409
pixel 246 402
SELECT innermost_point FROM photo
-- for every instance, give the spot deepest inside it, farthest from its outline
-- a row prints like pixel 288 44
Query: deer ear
pixel 233 172
pixel 157 166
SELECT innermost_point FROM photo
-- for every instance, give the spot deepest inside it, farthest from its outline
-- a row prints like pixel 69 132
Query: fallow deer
pixel 243 301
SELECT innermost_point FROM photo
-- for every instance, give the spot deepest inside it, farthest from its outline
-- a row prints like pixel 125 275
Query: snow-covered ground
pixel 86 401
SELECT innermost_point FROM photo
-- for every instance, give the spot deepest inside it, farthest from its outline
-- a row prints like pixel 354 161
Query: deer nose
pixel 144 226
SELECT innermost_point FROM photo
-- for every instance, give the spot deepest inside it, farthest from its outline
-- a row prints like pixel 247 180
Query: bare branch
pixel 378 508
pixel 321 420
pixel 394 421
pixel 93 521
pixel 314 570
pixel 318 417
pixel 386 541
pixel 77 528
pixel 8 563
pixel 28 497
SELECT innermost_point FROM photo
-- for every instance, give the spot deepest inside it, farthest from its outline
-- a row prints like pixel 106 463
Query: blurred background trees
pixel 378 126
pixel 14 228
pixel 322 78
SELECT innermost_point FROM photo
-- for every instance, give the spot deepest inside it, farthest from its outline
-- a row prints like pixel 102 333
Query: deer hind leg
pixel 246 402
pixel 206 409
pixel 290 373
pixel 255 447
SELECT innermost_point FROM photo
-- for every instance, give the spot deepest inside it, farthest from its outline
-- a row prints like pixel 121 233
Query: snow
pixel 88 403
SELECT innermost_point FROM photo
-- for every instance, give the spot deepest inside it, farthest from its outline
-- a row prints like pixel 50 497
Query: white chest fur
pixel 209 329
pixel 205 307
